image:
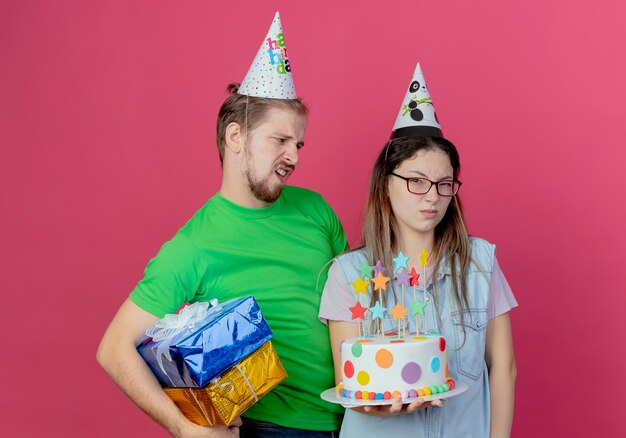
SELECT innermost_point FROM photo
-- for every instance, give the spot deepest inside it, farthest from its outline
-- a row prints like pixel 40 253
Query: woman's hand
pixel 397 408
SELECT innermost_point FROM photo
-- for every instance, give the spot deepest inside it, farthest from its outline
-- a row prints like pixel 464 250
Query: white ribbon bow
pixel 172 325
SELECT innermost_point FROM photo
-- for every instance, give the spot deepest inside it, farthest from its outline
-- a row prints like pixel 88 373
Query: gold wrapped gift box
pixel 234 391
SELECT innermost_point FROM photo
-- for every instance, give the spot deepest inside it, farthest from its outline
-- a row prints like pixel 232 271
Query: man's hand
pixel 118 356
pixel 397 408
pixel 193 431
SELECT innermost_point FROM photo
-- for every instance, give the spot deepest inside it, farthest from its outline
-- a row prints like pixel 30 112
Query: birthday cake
pixel 390 366
pixel 381 366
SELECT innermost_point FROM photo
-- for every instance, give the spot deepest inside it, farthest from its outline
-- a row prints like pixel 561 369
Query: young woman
pixel 413 205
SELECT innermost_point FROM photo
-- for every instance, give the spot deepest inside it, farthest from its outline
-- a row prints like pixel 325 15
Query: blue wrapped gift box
pixel 197 344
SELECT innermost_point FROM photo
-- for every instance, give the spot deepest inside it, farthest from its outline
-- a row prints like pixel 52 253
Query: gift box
pixel 202 341
pixel 234 391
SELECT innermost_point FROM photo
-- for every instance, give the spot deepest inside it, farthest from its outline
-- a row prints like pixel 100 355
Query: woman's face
pixel 420 214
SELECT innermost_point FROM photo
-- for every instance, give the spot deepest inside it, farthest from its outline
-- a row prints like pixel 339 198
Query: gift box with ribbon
pixel 229 395
pixel 203 340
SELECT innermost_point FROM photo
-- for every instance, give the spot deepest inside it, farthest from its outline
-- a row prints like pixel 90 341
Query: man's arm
pixel 118 355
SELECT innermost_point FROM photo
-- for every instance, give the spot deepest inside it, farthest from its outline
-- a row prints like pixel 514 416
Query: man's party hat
pixel 270 73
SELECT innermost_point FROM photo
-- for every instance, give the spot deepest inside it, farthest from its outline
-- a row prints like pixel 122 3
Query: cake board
pixel 330 395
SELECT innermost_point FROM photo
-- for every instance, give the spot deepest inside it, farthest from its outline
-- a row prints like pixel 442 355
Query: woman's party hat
pixel 417 115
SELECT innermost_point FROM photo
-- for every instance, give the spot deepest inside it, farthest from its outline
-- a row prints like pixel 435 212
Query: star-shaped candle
pixel 414 277
pixel 380 281
pixel 401 261
pixel 360 285
pixel 424 258
pixel 398 312
pixel 402 277
pixel 365 270
pixel 380 284
pixel 379 268
pixel 417 307
pixel 378 311
pixel 358 311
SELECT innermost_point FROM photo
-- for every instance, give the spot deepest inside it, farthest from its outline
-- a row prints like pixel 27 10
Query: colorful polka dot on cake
pixel 348 369
pixel 411 373
pixel 435 364
pixel 363 378
pixel 384 358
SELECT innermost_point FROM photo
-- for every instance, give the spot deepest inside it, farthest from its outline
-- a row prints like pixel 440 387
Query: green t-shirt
pixel 279 255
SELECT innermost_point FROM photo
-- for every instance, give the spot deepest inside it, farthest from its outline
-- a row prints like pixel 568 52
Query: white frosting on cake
pixel 381 364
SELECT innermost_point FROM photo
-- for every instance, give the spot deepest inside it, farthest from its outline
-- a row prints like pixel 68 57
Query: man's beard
pixel 261 188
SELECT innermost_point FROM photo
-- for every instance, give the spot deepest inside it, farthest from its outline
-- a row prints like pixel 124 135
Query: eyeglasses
pixel 421 186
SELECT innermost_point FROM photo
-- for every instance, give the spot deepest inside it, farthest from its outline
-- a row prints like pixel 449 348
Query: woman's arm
pixel 340 330
pixel 502 373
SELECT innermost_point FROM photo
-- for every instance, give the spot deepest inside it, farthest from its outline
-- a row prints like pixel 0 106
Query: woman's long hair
pixel 381 230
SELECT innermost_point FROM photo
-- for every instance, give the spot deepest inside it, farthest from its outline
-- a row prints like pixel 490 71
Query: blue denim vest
pixel 468 414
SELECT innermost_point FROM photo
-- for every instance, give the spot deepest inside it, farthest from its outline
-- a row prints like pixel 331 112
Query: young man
pixel 257 237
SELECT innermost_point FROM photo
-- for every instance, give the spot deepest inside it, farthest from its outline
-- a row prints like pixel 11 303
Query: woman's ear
pixel 234 137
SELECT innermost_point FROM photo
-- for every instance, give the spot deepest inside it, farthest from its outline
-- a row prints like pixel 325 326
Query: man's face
pixel 271 153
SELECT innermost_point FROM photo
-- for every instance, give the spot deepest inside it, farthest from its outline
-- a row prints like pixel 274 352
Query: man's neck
pixel 235 187
pixel 241 196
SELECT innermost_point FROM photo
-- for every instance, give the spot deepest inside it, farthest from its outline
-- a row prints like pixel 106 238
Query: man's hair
pixel 249 112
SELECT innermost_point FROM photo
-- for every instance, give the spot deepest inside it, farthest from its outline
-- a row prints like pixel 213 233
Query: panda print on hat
pixel 417 115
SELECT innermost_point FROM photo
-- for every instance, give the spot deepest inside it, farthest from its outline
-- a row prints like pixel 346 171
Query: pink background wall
pixel 107 115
